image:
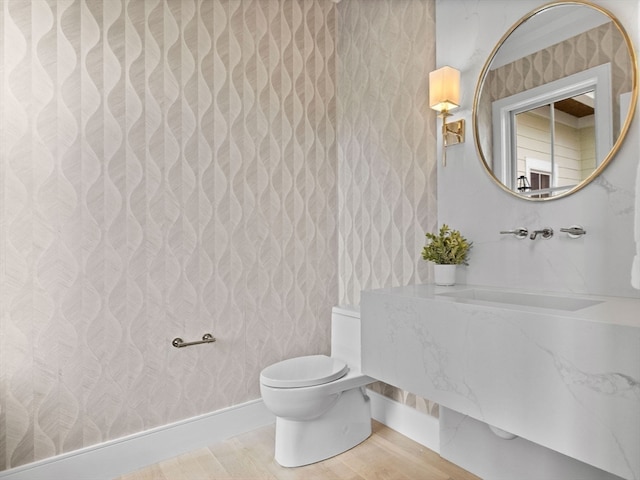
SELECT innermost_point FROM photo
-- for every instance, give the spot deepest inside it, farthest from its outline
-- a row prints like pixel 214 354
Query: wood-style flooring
pixel 385 455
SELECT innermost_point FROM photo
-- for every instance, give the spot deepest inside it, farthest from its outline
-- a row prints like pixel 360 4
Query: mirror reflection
pixel 555 145
pixel 555 100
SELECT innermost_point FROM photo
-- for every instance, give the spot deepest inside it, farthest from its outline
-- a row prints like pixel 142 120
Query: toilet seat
pixel 303 372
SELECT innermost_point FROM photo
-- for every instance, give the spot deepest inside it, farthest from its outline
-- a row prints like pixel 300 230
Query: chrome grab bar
pixel 206 338
pixel 574 231
pixel 518 232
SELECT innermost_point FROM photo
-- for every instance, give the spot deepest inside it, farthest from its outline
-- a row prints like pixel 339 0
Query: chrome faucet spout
pixel 545 232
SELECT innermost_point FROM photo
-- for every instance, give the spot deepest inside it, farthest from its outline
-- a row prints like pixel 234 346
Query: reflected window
pixel 565 125
pixel 560 136
pixel 540 181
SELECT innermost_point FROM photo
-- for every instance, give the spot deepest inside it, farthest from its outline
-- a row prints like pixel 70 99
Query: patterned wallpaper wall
pixel 168 168
pixel 386 148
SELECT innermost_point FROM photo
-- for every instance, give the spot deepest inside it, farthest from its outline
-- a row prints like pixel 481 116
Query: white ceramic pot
pixel 444 275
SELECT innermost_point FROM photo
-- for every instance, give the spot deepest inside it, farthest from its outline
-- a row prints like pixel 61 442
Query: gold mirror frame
pixel 623 130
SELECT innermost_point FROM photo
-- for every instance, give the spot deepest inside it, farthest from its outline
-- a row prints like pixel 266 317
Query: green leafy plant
pixel 448 247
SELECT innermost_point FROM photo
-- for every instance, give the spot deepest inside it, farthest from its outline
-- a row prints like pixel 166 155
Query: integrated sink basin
pixel 554 302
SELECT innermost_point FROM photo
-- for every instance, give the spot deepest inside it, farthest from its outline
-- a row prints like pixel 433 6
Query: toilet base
pixel 344 426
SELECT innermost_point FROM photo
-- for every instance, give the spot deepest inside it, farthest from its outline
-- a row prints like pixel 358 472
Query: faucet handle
pixel 518 232
pixel 574 231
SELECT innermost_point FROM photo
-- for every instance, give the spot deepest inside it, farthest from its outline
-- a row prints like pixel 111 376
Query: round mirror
pixel 554 100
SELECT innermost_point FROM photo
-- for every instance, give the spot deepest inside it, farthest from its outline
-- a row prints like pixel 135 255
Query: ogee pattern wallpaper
pixel 386 148
pixel 167 168
pixel 170 168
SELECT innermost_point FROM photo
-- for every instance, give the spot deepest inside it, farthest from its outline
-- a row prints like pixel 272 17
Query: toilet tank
pixel 345 335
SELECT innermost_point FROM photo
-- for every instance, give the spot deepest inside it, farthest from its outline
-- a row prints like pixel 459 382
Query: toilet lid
pixel 303 372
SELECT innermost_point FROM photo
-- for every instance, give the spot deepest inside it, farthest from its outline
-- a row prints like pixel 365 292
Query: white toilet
pixel 320 403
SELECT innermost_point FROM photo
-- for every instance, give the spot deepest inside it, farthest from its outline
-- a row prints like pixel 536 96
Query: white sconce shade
pixel 444 95
pixel 444 89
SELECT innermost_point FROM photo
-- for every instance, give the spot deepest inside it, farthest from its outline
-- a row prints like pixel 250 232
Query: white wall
pixel 468 200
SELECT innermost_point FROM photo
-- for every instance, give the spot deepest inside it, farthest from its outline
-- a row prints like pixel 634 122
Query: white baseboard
pixel 127 454
pixel 411 423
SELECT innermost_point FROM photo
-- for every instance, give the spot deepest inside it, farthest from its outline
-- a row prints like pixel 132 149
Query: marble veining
pixel 564 379
pixel 613 383
pixel 437 360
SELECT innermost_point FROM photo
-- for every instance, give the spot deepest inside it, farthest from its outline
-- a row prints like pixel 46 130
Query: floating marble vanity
pixel 562 371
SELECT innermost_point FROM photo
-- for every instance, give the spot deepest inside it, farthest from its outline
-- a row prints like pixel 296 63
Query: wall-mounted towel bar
pixel 206 338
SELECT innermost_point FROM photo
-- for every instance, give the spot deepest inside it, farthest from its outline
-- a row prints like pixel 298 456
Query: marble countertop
pixel 610 310
pixel 567 378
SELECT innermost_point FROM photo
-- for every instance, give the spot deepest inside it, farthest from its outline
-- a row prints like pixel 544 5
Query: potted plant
pixel 446 249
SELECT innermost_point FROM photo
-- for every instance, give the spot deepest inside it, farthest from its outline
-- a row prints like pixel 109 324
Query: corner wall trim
pixel 418 426
pixel 127 454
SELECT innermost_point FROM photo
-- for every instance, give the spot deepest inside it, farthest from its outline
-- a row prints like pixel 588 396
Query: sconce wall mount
pixel 453 132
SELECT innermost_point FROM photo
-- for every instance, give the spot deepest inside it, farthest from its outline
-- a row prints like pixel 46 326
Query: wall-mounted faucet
pixel 545 232
pixel 574 231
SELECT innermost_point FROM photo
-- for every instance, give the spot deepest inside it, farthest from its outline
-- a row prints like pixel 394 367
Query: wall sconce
pixel 444 96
